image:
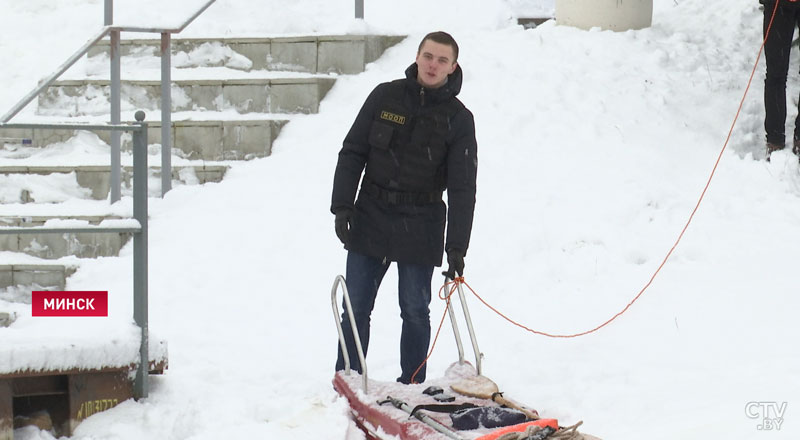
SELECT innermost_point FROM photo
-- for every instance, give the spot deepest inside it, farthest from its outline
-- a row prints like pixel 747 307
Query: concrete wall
pixel 615 15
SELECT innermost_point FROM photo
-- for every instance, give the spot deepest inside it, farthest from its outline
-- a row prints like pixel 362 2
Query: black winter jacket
pixel 784 4
pixel 411 143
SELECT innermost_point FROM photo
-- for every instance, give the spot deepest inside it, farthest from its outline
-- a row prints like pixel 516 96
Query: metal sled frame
pixel 340 281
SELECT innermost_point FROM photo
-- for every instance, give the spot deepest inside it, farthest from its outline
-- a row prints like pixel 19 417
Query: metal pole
pixel 360 9
pixel 422 417
pixel 140 388
pixel 116 162
pixel 456 332
pixel 471 331
pixel 166 114
pixel 109 13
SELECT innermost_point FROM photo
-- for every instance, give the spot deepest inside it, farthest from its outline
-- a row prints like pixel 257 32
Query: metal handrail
pixel 109 19
pixel 50 79
pixel 340 281
pixel 46 82
pixel 176 30
pixel 51 230
pixel 166 101
pixel 140 290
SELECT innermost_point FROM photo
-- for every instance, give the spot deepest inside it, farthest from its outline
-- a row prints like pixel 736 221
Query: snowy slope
pixel 594 148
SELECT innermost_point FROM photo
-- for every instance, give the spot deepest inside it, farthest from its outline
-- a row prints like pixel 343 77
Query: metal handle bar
pixel 88 127
pixel 422 417
pixel 336 283
pixel 470 329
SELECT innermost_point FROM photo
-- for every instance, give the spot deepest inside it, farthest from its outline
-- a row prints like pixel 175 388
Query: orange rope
pixel 441 322
pixel 680 236
pixel 454 283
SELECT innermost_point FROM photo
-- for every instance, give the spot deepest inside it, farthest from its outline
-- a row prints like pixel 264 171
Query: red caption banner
pixel 69 303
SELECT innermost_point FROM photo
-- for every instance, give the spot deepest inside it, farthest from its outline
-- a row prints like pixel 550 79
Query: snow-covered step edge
pixel 101 345
pixel 344 54
pixel 96 178
pixel 35 276
pixel 246 95
pixel 215 140
pixel 55 246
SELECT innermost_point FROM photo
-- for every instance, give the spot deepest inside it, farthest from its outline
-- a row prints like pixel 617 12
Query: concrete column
pixel 615 15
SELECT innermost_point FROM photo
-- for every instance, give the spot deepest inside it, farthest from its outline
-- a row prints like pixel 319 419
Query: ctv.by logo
pixel 770 414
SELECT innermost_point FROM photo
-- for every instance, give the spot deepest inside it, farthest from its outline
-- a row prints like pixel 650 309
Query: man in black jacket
pixel 411 140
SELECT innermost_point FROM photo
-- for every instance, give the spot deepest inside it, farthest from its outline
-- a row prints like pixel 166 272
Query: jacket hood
pixel 449 90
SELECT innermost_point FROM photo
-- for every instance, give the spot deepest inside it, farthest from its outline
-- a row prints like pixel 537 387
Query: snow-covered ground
pixel 594 148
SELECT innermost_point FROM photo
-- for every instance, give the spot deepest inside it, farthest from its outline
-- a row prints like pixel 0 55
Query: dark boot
pixel 775 147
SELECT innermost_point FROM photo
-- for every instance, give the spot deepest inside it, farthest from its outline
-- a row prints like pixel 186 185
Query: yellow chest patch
pixel 397 119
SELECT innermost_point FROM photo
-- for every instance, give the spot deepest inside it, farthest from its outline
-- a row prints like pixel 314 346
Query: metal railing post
pixel 116 162
pixel 108 19
pixel 360 9
pixel 140 388
pixel 166 113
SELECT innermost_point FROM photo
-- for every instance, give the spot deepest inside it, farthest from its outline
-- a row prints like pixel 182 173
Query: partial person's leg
pixel 776 53
pixel 414 297
pixel 796 139
pixel 364 275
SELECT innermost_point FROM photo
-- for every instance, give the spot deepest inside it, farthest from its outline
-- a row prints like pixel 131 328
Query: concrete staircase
pixel 230 97
pixel 283 77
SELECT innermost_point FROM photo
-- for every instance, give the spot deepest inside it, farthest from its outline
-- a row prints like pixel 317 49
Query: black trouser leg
pixel 776 52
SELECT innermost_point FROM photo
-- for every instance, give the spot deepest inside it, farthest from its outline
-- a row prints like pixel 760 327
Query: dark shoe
pixel 774 147
pixel 796 147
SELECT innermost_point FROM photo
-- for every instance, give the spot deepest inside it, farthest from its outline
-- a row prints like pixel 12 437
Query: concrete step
pixel 532 22
pixel 35 276
pixel 97 177
pixel 251 95
pixel 196 140
pixel 52 246
pixel 344 54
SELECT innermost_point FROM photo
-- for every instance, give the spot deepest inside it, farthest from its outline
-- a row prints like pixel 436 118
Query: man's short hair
pixel 441 38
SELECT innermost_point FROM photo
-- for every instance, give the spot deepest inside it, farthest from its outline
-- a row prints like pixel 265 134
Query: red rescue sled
pixel 386 410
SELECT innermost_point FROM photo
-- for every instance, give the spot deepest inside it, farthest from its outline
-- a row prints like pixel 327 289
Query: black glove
pixel 342 224
pixel 455 262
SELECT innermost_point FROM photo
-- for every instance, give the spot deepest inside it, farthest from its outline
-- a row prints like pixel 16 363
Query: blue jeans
pixel 364 275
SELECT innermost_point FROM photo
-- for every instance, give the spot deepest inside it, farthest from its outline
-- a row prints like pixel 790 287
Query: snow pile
pixel 594 147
